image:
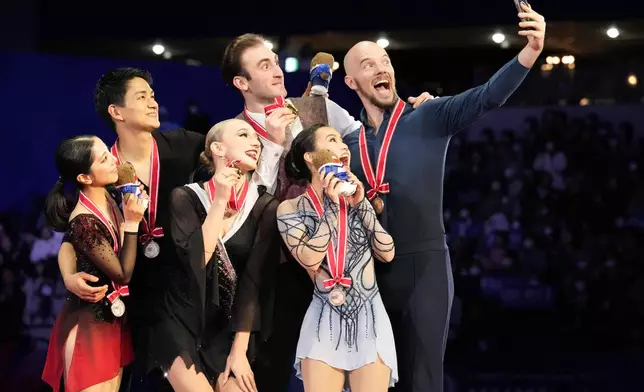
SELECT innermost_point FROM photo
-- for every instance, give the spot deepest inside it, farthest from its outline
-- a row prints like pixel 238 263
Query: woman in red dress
pixel 90 342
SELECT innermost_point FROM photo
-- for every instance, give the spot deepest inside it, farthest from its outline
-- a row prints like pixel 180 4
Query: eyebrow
pixel 263 60
pixel 243 129
pixel 369 58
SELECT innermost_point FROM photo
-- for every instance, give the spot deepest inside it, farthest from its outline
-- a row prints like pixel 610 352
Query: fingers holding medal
pixel 225 179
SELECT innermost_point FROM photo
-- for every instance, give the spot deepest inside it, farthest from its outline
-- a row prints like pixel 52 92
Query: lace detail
pixel 86 233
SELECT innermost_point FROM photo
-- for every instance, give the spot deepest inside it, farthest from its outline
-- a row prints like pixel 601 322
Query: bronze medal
pixel 337 297
pixel 378 205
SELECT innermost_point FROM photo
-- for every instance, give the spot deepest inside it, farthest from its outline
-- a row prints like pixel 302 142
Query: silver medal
pixel 118 307
pixel 337 297
pixel 151 249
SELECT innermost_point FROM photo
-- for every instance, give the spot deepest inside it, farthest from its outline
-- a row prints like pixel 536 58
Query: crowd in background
pixel 544 232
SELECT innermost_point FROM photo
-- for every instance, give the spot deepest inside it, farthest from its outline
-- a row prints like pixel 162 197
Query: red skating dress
pixel 103 344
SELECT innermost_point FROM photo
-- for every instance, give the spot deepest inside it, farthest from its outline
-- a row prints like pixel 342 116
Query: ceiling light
pixel 612 32
pixel 498 38
pixel 383 42
pixel 568 59
pixel 158 49
pixel 632 80
pixel 336 65
pixel 291 64
pixel 553 60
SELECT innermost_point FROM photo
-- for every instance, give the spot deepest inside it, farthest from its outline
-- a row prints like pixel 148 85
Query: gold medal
pixel 378 205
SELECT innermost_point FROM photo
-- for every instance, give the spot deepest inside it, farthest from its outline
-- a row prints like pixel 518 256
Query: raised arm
pixel 306 236
pixel 268 165
pixel 340 119
pixel 450 115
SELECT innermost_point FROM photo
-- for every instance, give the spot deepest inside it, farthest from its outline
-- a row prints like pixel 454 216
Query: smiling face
pixel 234 141
pixel 263 77
pixel 327 138
pixel 140 109
pixel 103 170
pixel 371 75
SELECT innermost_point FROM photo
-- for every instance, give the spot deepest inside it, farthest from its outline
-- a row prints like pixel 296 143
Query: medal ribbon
pixel 279 103
pixel 150 231
pixel 236 200
pixel 119 291
pixel 376 181
pixel 91 207
pixel 336 255
pixel 259 128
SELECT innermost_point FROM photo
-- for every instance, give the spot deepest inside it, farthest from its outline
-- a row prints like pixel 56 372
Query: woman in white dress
pixel 346 330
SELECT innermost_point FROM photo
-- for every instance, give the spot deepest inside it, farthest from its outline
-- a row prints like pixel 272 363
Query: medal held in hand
pixel 336 253
pixel 237 199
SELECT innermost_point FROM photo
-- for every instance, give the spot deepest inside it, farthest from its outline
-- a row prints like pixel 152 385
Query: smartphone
pixel 517 4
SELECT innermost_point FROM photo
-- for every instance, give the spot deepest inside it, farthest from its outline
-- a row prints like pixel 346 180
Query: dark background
pixel 546 245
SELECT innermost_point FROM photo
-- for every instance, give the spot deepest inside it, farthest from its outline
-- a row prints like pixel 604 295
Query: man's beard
pixel 375 101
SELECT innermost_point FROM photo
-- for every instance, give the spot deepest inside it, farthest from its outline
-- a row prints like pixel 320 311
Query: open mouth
pixel 382 85
pixel 252 154
pixel 345 159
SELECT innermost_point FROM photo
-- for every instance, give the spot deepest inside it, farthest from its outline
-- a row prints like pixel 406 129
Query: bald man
pixel 401 161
